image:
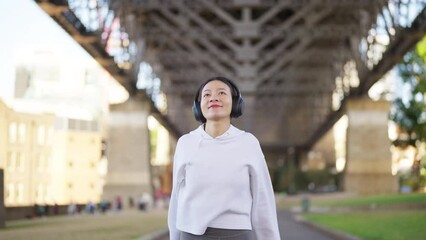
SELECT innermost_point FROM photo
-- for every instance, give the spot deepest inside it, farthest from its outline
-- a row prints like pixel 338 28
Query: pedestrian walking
pixel 221 184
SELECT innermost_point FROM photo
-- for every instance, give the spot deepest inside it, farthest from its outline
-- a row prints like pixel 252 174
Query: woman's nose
pixel 214 98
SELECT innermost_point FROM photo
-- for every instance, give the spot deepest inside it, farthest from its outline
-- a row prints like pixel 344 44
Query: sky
pixel 25 27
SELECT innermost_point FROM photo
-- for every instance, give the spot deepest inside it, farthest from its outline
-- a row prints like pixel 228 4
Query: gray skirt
pixel 219 234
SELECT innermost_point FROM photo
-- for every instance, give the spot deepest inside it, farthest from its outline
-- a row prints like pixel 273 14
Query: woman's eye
pixel 206 95
pixel 222 93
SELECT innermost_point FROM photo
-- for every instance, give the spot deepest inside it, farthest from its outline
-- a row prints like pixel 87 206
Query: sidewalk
pixel 290 229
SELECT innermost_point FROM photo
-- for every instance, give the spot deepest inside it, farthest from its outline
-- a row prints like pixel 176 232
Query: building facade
pixel 49 160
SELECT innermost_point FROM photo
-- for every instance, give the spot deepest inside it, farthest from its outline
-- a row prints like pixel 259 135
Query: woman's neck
pixel 215 129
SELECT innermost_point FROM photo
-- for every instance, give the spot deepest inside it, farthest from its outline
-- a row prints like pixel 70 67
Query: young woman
pixel 221 184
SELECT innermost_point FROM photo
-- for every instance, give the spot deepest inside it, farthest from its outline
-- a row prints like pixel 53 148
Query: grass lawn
pixel 379 200
pixel 377 225
pixel 125 225
pixel 338 200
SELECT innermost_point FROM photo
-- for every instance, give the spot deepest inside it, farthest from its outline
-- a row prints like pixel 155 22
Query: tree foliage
pixel 409 113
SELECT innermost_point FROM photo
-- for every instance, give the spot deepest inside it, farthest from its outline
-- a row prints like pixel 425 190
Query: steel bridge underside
pixel 288 57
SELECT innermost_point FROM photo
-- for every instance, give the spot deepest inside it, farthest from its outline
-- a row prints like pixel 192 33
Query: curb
pixel 335 234
pixel 156 235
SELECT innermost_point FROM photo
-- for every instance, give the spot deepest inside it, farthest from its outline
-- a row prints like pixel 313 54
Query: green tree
pixel 410 113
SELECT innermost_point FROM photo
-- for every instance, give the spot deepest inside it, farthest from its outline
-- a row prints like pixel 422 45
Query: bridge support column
pixel 368 161
pixel 129 174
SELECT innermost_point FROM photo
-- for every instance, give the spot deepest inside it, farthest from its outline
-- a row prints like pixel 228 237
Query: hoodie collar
pixel 231 132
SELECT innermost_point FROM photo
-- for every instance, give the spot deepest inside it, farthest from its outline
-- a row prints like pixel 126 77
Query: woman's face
pixel 216 101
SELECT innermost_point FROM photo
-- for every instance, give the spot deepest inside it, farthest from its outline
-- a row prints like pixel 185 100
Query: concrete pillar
pixel 2 207
pixel 368 161
pixel 128 152
pixel 247 120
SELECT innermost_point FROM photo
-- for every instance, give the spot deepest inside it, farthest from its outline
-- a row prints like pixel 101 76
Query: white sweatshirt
pixel 221 182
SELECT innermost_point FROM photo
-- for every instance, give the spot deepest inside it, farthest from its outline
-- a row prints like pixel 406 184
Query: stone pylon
pixel 128 152
pixel 368 161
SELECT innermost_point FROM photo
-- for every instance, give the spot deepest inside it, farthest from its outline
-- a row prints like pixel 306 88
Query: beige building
pixel 49 160
pixel 77 162
pixel 25 150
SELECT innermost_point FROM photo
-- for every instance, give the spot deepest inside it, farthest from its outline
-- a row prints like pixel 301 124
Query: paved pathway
pixel 290 229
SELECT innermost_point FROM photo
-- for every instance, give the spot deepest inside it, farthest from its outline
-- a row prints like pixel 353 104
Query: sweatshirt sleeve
pixel 264 214
pixel 174 233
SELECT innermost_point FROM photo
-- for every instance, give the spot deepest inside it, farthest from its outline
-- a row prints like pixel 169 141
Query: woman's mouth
pixel 215 106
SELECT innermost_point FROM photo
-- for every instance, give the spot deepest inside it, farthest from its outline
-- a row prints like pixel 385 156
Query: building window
pixel 23 161
pixel 12 132
pixel 11 161
pixel 39 193
pixel 22 132
pixel 10 190
pixel 17 193
pixel 20 193
pixel 18 161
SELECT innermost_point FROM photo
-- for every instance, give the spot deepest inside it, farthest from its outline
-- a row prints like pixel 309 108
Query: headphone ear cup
pixel 240 106
pixel 237 108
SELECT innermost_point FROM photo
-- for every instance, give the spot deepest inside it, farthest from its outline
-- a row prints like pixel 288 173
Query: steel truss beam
pixel 91 42
pixel 149 5
pixel 189 88
pixel 187 73
pixel 268 45
pixel 325 31
pixel 405 39
pixel 193 49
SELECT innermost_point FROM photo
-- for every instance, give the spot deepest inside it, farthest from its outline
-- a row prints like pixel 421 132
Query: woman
pixel 221 184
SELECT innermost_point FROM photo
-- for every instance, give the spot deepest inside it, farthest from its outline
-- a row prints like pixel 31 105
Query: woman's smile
pixel 215 106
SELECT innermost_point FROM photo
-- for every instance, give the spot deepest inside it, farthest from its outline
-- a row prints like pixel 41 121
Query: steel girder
pixel 290 48
pixel 93 44
pixel 265 48
pixel 284 54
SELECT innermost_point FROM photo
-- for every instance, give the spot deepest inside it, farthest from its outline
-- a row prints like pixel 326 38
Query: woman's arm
pixel 174 233
pixel 264 214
